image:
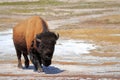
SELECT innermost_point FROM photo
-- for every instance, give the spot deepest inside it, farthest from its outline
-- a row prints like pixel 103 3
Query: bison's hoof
pixel 26 65
pixel 40 70
pixel 20 66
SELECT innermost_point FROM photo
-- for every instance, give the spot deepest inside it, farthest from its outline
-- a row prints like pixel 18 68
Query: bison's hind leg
pixel 19 58
pixel 26 59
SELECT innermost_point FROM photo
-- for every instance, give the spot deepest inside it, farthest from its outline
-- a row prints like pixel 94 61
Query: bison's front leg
pixel 36 61
pixel 38 65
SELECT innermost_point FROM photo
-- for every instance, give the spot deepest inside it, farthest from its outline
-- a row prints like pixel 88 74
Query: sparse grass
pixel 40 2
pixel 55 3
pixel 6 23
pixel 104 54
pixel 90 5
pixel 27 10
pixel 91 34
pixel 4 28
pixel 7 20
pixel 108 20
pixel 29 7
pixel 111 19
pixel 20 11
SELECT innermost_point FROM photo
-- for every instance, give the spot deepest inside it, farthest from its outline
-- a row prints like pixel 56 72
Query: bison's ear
pixel 38 40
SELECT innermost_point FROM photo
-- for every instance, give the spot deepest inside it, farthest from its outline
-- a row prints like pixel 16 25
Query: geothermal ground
pixel 89 44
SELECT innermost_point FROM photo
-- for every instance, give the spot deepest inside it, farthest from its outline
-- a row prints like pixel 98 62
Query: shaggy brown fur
pixel 25 32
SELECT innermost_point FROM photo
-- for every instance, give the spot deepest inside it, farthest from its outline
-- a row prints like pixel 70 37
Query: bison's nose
pixel 46 63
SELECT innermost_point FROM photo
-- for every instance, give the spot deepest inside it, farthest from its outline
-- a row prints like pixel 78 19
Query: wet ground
pixel 82 52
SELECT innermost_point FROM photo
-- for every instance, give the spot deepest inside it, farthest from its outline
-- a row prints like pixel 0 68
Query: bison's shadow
pixel 47 70
pixel 52 70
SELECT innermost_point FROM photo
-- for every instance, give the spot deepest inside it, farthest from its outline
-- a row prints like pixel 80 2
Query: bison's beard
pixel 46 62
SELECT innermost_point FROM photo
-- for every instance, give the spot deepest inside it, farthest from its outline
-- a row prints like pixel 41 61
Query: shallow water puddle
pixel 73 47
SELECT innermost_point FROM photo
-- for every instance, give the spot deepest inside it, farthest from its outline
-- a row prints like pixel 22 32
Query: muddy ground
pixel 89 44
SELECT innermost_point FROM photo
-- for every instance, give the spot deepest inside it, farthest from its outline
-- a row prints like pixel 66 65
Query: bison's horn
pixel 38 40
pixel 57 35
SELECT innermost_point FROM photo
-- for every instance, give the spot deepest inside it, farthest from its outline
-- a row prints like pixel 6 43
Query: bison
pixel 32 37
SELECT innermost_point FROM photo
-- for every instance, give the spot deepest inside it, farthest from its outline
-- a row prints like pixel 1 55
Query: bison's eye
pixel 52 42
pixel 42 46
pixel 48 57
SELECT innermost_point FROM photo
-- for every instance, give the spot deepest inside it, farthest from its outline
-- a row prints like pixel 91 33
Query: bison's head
pixel 45 43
